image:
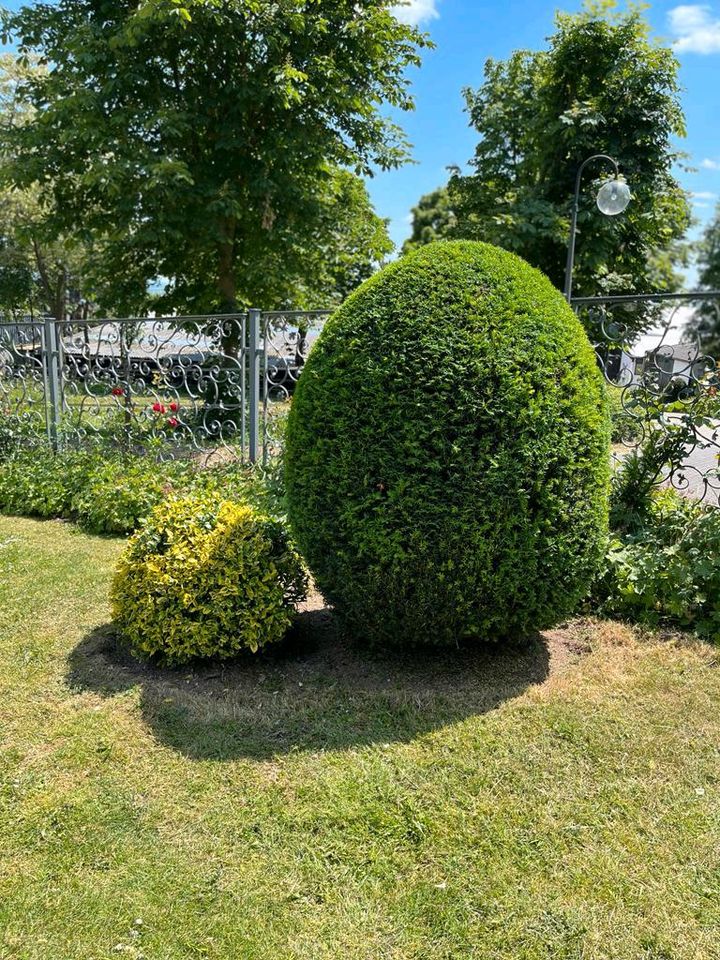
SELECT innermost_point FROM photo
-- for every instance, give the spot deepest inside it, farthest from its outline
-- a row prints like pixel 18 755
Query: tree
pixel 39 271
pixel 314 266
pixel 16 275
pixel 35 276
pixel 432 219
pixel 352 243
pixel 602 86
pixel 707 322
pixel 198 140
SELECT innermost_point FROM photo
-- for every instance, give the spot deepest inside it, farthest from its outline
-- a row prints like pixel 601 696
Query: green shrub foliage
pixel 111 492
pixel 206 578
pixel 447 453
pixel 21 430
pixel 666 569
pixel 35 482
pixel 121 492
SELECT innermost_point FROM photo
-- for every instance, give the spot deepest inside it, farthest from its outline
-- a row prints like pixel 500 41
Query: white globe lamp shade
pixel 613 197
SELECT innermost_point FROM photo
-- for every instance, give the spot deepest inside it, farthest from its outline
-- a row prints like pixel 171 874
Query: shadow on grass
pixel 316 691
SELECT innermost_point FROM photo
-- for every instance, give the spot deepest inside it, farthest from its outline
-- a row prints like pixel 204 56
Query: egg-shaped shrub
pixel 447 456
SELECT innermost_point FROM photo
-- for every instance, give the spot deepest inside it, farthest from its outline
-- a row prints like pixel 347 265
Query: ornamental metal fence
pixel 213 388
pixel 216 388
pixel 665 395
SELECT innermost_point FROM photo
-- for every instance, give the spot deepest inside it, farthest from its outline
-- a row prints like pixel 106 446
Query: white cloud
pixel 696 27
pixel 416 11
pixel 704 195
pixel 708 164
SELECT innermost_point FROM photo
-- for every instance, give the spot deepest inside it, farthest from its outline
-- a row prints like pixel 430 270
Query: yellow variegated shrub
pixel 206 578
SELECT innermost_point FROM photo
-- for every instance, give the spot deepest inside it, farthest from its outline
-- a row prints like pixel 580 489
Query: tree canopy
pixel 707 321
pixel 210 144
pixel 432 219
pixel 40 269
pixel 603 85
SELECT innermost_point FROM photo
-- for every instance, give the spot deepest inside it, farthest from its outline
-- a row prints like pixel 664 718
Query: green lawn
pixel 557 803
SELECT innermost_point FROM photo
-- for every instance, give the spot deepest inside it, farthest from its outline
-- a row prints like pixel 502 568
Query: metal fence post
pixel 53 364
pixel 255 350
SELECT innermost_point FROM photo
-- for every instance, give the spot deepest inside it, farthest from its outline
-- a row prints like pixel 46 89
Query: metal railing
pixel 191 386
pixel 669 394
pixel 216 388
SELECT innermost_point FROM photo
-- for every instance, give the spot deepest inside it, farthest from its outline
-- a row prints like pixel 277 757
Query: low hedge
pixel 206 578
pixel 34 482
pixel 118 494
pixel 108 492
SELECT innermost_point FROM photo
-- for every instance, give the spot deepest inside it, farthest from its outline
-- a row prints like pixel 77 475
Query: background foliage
pixel 603 85
pixel 707 322
pixel 432 219
pixel 666 569
pixel 41 271
pixel 212 147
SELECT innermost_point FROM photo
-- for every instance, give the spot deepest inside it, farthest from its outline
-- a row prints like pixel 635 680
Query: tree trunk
pixel 60 298
pixel 224 399
pixel 227 286
pixel 55 292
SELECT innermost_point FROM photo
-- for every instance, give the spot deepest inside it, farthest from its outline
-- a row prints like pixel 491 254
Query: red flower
pixel 118 392
pixel 173 422
pixel 174 406
pixel 158 407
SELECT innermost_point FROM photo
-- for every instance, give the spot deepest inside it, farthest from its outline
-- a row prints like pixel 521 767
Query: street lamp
pixel 613 197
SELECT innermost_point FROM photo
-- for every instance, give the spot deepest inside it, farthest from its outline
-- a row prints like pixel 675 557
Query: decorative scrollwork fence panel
pixel 24 387
pixel 216 388
pixel 212 388
pixel 287 337
pixel 172 387
pixel 668 392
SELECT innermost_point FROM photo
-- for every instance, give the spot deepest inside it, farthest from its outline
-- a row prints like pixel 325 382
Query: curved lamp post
pixel 613 197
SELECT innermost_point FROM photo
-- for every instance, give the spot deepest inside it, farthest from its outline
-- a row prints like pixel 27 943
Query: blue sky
pixel 467 32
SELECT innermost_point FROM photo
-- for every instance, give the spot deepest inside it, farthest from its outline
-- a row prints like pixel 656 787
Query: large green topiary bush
pixel 447 452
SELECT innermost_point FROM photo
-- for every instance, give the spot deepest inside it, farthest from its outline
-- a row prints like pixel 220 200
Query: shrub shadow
pixel 316 691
